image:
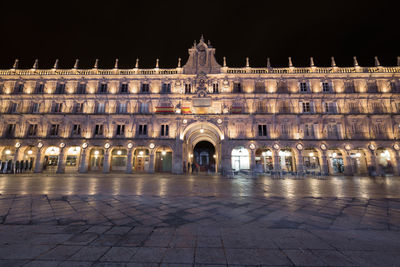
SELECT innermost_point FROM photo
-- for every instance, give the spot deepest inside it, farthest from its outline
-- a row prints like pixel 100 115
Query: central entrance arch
pixel 202 145
pixel 204 156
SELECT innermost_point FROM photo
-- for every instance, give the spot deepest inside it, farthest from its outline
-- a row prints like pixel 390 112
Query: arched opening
pixel 240 158
pixel 141 160
pixel 163 159
pixel 7 157
pixel 29 159
pixel 358 161
pixel 96 159
pixel 264 161
pixel 286 160
pixel 311 161
pixel 204 156
pixel 118 159
pixel 336 163
pixel 384 161
pixel 71 162
pixel 51 159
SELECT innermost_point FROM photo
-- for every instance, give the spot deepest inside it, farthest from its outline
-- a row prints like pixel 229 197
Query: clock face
pixel 219 121
pixel 396 146
pixel 84 145
pixel 107 145
pixel 323 147
pixel 151 145
pixel 276 146
pixel 130 145
pixel 299 146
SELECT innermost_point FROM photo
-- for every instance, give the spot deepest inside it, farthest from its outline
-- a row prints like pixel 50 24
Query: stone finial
pixel 179 62
pixel 96 64
pixel 312 62
pixel 116 64
pixel 377 63
pixel 76 64
pixel 15 65
pixel 290 63
pixel 55 66
pixel 137 63
pixel 333 63
pixel 157 63
pixel 36 64
pixel 224 64
pixel 247 62
pixel 202 38
pixel 398 61
pixel 355 62
pixel 268 63
pixel 209 43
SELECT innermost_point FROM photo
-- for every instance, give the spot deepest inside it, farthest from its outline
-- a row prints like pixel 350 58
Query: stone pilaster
pixel 38 161
pixel 129 161
pixel 61 161
pixel 106 163
pixel 83 166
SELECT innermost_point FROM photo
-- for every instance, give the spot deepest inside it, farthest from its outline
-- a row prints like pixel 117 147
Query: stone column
pixel 252 160
pixel 16 157
pixel 106 163
pixel 177 164
pixel 348 168
pixel 372 164
pixel 61 161
pixel 299 162
pixel 324 163
pixel 38 161
pixel 226 162
pixel 396 163
pixel 275 160
pixel 82 167
pixel 129 161
pixel 151 163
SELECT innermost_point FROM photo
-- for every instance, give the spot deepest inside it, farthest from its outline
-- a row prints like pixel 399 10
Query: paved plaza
pixel 171 220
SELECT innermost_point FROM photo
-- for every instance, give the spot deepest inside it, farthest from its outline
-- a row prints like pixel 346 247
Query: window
pixel 39 88
pixel 10 130
pixel 76 130
pixel 81 88
pixel 32 129
pixel 143 108
pixel 188 88
pixel 123 89
pixel 60 89
pixel 262 130
pixel 13 108
pixel 166 88
pixel 215 88
pixel 98 129
pixel 56 108
pixel 259 87
pixel 393 86
pixel 303 87
pixel 308 130
pixel 103 88
pixel 121 108
pixel 333 131
pixel 120 130
pixel 306 107
pixel 237 87
pixel 100 108
pixel 330 107
pixel 349 87
pixel 19 88
pixel 164 130
pixel 142 129
pixel 78 108
pixel 54 129
pixel 35 107
pixel 326 87
pixel 354 107
pixel 144 88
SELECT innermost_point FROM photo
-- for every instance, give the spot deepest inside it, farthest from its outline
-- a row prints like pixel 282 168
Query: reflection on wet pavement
pixel 175 185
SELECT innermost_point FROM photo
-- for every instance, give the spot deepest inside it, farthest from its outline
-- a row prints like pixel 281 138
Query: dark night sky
pixel 150 30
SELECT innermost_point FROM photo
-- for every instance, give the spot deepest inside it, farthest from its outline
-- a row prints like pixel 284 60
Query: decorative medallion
pixel 276 146
pixel 107 145
pixel 151 145
pixel 17 144
pixel 347 147
pixel 130 145
pixel 62 145
pixel 299 146
pixel 252 146
pixel 396 146
pixel 40 145
pixel 372 147
pixel 323 147
pixel 84 145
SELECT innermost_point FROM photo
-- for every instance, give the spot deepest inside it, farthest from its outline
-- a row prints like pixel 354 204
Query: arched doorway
pixel 204 155
pixel 311 161
pixel 286 160
pixel 163 159
pixel 96 159
pixel 264 161
pixel 336 161
pixel 358 161
pixel 6 159
pixel 141 160
pixel 51 159
pixel 240 158
pixel 384 161
pixel 118 159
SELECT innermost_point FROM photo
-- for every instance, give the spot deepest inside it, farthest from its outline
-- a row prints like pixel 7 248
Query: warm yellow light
pixel 163 153
pixel 141 153
pixel 119 152
pixel 30 152
pixel 8 152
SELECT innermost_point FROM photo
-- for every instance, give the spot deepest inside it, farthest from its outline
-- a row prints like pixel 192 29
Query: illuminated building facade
pixel 323 120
